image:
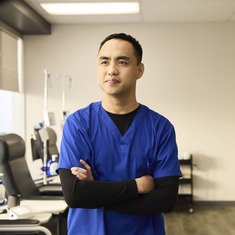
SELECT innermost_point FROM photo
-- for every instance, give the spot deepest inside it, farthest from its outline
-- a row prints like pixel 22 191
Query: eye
pixel 104 62
pixel 122 62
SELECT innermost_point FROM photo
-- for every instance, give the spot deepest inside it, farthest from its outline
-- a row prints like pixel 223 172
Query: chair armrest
pixel 45 197
pixel 23 229
pixel 18 222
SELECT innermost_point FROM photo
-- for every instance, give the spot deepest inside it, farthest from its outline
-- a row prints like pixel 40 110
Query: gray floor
pixel 203 221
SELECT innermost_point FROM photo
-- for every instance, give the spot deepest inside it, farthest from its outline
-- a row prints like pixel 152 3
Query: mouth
pixel 112 81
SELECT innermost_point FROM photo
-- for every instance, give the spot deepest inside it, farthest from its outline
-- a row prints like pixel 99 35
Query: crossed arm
pixel 143 195
pixel 144 184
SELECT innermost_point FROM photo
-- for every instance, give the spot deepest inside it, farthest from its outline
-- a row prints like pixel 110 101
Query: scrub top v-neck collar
pixel 114 129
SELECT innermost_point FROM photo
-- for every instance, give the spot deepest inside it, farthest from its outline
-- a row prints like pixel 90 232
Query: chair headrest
pixel 13 145
pixel 52 136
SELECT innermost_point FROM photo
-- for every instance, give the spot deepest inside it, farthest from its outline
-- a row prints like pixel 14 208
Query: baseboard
pixel 213 203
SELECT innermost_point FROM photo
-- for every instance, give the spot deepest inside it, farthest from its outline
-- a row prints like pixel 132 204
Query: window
pixel 12 114
pixel 9 74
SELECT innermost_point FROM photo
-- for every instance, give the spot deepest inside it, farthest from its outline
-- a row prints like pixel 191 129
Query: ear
pixel 140 70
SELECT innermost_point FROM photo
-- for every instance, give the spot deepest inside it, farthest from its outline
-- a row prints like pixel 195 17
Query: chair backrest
pixel 38 147
pixel 17 178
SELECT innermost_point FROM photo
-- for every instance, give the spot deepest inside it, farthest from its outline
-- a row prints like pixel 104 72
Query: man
pixel 118 161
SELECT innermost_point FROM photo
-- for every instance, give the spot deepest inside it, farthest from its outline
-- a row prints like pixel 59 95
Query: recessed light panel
pixel 95 8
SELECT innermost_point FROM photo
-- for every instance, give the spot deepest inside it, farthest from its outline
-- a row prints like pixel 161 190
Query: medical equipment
pixel 66 84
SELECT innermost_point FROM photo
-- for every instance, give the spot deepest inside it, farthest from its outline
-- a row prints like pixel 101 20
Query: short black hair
pixel 137 47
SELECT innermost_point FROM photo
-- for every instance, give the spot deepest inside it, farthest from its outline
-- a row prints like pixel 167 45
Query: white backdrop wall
pixel 189 78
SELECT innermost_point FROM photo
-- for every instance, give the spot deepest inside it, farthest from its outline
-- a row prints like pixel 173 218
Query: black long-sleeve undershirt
pixel 161 200
pixel 120 196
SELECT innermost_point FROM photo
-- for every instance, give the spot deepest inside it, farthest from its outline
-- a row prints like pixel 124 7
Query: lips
pixel 112 81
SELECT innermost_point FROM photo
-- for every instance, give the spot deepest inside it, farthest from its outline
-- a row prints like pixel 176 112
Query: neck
pixel 118 106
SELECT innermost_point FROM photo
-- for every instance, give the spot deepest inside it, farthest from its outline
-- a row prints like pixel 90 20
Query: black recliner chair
pixel 18 181
pixel 17 178
pixel 37 143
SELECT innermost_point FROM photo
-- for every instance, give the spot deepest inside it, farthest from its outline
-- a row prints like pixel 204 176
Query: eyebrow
pixel 118 58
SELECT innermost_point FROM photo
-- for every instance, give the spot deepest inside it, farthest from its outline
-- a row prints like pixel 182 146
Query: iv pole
pixel 43 132
pixel 46 77
pixel 64 111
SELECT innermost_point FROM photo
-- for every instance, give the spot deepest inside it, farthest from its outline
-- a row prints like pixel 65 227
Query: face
pixel 118 70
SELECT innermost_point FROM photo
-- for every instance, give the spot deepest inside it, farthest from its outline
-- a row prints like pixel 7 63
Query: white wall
pixel 189 78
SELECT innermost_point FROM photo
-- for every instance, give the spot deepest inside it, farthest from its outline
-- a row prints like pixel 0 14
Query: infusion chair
pixel 44 147
pixel 18 181
pixel 17 178
pixel 37 143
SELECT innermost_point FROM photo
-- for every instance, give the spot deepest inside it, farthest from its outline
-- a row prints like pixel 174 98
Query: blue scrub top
pixel 147 148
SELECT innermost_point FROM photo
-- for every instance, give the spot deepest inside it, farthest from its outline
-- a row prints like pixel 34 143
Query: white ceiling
pixel 153 11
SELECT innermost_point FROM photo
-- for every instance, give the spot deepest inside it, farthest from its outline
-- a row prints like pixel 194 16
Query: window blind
pixel 9 76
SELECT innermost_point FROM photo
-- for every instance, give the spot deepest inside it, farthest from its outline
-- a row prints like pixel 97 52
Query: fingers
pixel 81 176
pixel 81 173
pixel 87 167
pixel 78 170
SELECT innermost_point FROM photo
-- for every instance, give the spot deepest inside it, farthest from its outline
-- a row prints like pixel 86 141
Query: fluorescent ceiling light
pixel 91 8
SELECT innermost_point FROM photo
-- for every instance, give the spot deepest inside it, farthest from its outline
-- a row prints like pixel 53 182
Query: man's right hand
pixel 145 184
pixel 81 173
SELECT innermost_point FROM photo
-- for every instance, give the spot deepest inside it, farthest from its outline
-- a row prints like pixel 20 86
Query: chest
pixel 117 157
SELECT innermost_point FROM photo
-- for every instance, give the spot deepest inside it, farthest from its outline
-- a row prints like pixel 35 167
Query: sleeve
pixel 166 162
pixel 95 194
pixel 74 145
pixel 161 200
pixel 119 197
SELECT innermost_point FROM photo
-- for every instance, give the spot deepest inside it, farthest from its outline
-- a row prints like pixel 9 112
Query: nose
pixel 112 69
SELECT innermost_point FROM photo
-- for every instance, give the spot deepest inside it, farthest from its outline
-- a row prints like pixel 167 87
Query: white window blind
pixel 9 76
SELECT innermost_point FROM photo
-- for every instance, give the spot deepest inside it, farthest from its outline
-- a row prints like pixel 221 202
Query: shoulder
pixel 82 115
pixel 153 115
pixel 156 121
pixel 92 107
